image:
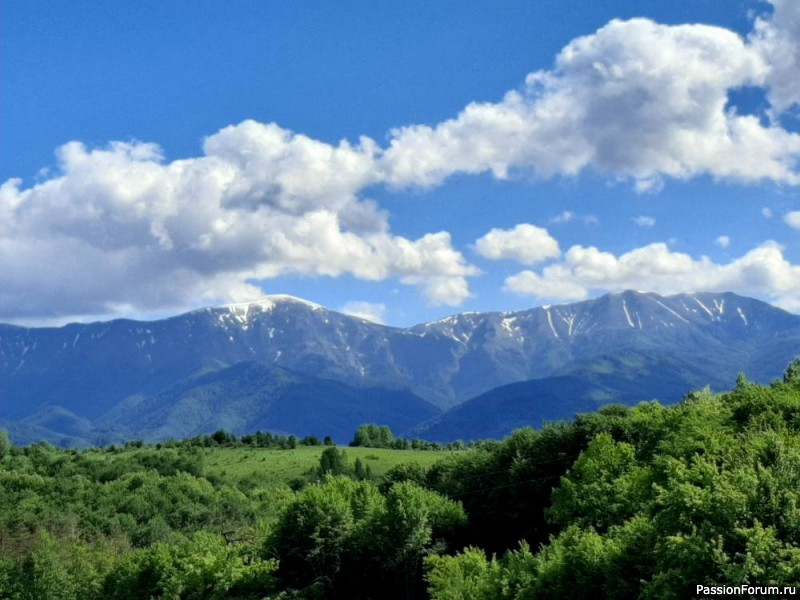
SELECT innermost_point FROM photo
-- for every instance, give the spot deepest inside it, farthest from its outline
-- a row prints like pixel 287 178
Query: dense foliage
pixel 660 501
pixel 644 502
pixel 145 522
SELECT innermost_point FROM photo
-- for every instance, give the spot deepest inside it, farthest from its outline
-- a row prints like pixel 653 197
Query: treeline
pixel 226 439
pixel 369 436
pixel 645 502
pixel 380 436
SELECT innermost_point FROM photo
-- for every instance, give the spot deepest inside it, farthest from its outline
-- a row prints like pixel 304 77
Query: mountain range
pixel 287 365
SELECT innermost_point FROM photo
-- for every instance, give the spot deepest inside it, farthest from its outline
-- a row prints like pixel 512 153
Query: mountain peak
pixel 241 314
pixel 240 311
pixel 269 302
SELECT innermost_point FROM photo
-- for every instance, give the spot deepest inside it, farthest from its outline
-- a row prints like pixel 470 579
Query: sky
pixel 400 161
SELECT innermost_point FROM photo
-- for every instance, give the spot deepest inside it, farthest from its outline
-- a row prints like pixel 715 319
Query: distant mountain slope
pixel 627 378
pixel 249 396
pixel 721 331
pixel 82 372
pixel 89 368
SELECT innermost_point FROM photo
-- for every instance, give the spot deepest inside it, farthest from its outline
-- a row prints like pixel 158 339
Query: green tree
pixel 466 575
pixel 223 438
pixel 316 530
pixel 332 461
pixel 62 569
pixel 413 522
pixel 5 444
pixel 792 373
pixel 360 471
pixel 203 566
pixel 373 436
pixel 600 490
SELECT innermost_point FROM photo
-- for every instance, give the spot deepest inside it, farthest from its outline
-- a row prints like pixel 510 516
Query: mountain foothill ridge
pixel 285 364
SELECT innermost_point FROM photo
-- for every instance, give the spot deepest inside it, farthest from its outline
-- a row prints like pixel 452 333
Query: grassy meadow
pixel 283 466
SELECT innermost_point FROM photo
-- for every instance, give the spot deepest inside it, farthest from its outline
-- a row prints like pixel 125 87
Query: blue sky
pixel 399 160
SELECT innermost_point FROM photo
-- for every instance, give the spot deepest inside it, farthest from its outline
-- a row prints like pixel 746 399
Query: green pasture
pixel 284 465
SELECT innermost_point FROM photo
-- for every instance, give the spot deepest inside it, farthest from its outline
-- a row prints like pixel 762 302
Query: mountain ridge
pixel 88 370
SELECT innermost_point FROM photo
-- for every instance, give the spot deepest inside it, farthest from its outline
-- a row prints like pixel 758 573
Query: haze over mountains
pixel 284 364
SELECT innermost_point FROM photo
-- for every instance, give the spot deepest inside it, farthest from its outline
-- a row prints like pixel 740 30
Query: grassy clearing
pixel 281 466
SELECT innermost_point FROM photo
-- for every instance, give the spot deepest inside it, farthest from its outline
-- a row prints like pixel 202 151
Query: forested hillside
pixel 644 502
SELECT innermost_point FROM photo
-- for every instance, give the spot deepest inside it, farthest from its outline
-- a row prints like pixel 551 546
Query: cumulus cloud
pixel 635 100
pixel 644 221
pixel 792 219
pixel 525 243
pixel 777 37
pixel 723 241
pixel 120 229
pixel 369 311
pixel 762 272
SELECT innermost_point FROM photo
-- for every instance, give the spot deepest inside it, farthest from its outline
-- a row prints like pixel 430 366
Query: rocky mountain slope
pixel 73 379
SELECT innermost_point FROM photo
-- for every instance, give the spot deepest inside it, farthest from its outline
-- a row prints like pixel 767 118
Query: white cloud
pixel 441 291
pixel 568 216
pixel 792 219
pixel 118 230
pixel 644 221
pixel 766 212
pixel 525 243
pixel 777 38
pixel 635 100
pixel 370 311
pixel 563 217
pixel 555 284
pixel 723 241
pixel 762 272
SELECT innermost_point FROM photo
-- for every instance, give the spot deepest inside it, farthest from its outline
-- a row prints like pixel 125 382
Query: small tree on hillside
pixel 5 444
pixel 373 436
pixel 360 471
pixel 792 373
pixel 332 461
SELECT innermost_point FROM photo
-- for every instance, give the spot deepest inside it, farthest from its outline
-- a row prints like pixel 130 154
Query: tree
pixel 61 569
pixel 315 531
pixel 203 566
pixel 600 489
pixel 792 373
pixel 360 472
pixel 413 522
pixel 465 575
pixel 373 436
pixel 223 438
pixel 332 461
pixel 5 444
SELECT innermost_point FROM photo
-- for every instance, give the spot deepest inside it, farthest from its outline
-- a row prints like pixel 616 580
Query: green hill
pixel 649 501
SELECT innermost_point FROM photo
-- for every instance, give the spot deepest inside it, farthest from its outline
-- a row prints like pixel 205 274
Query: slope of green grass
pixel 281 466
